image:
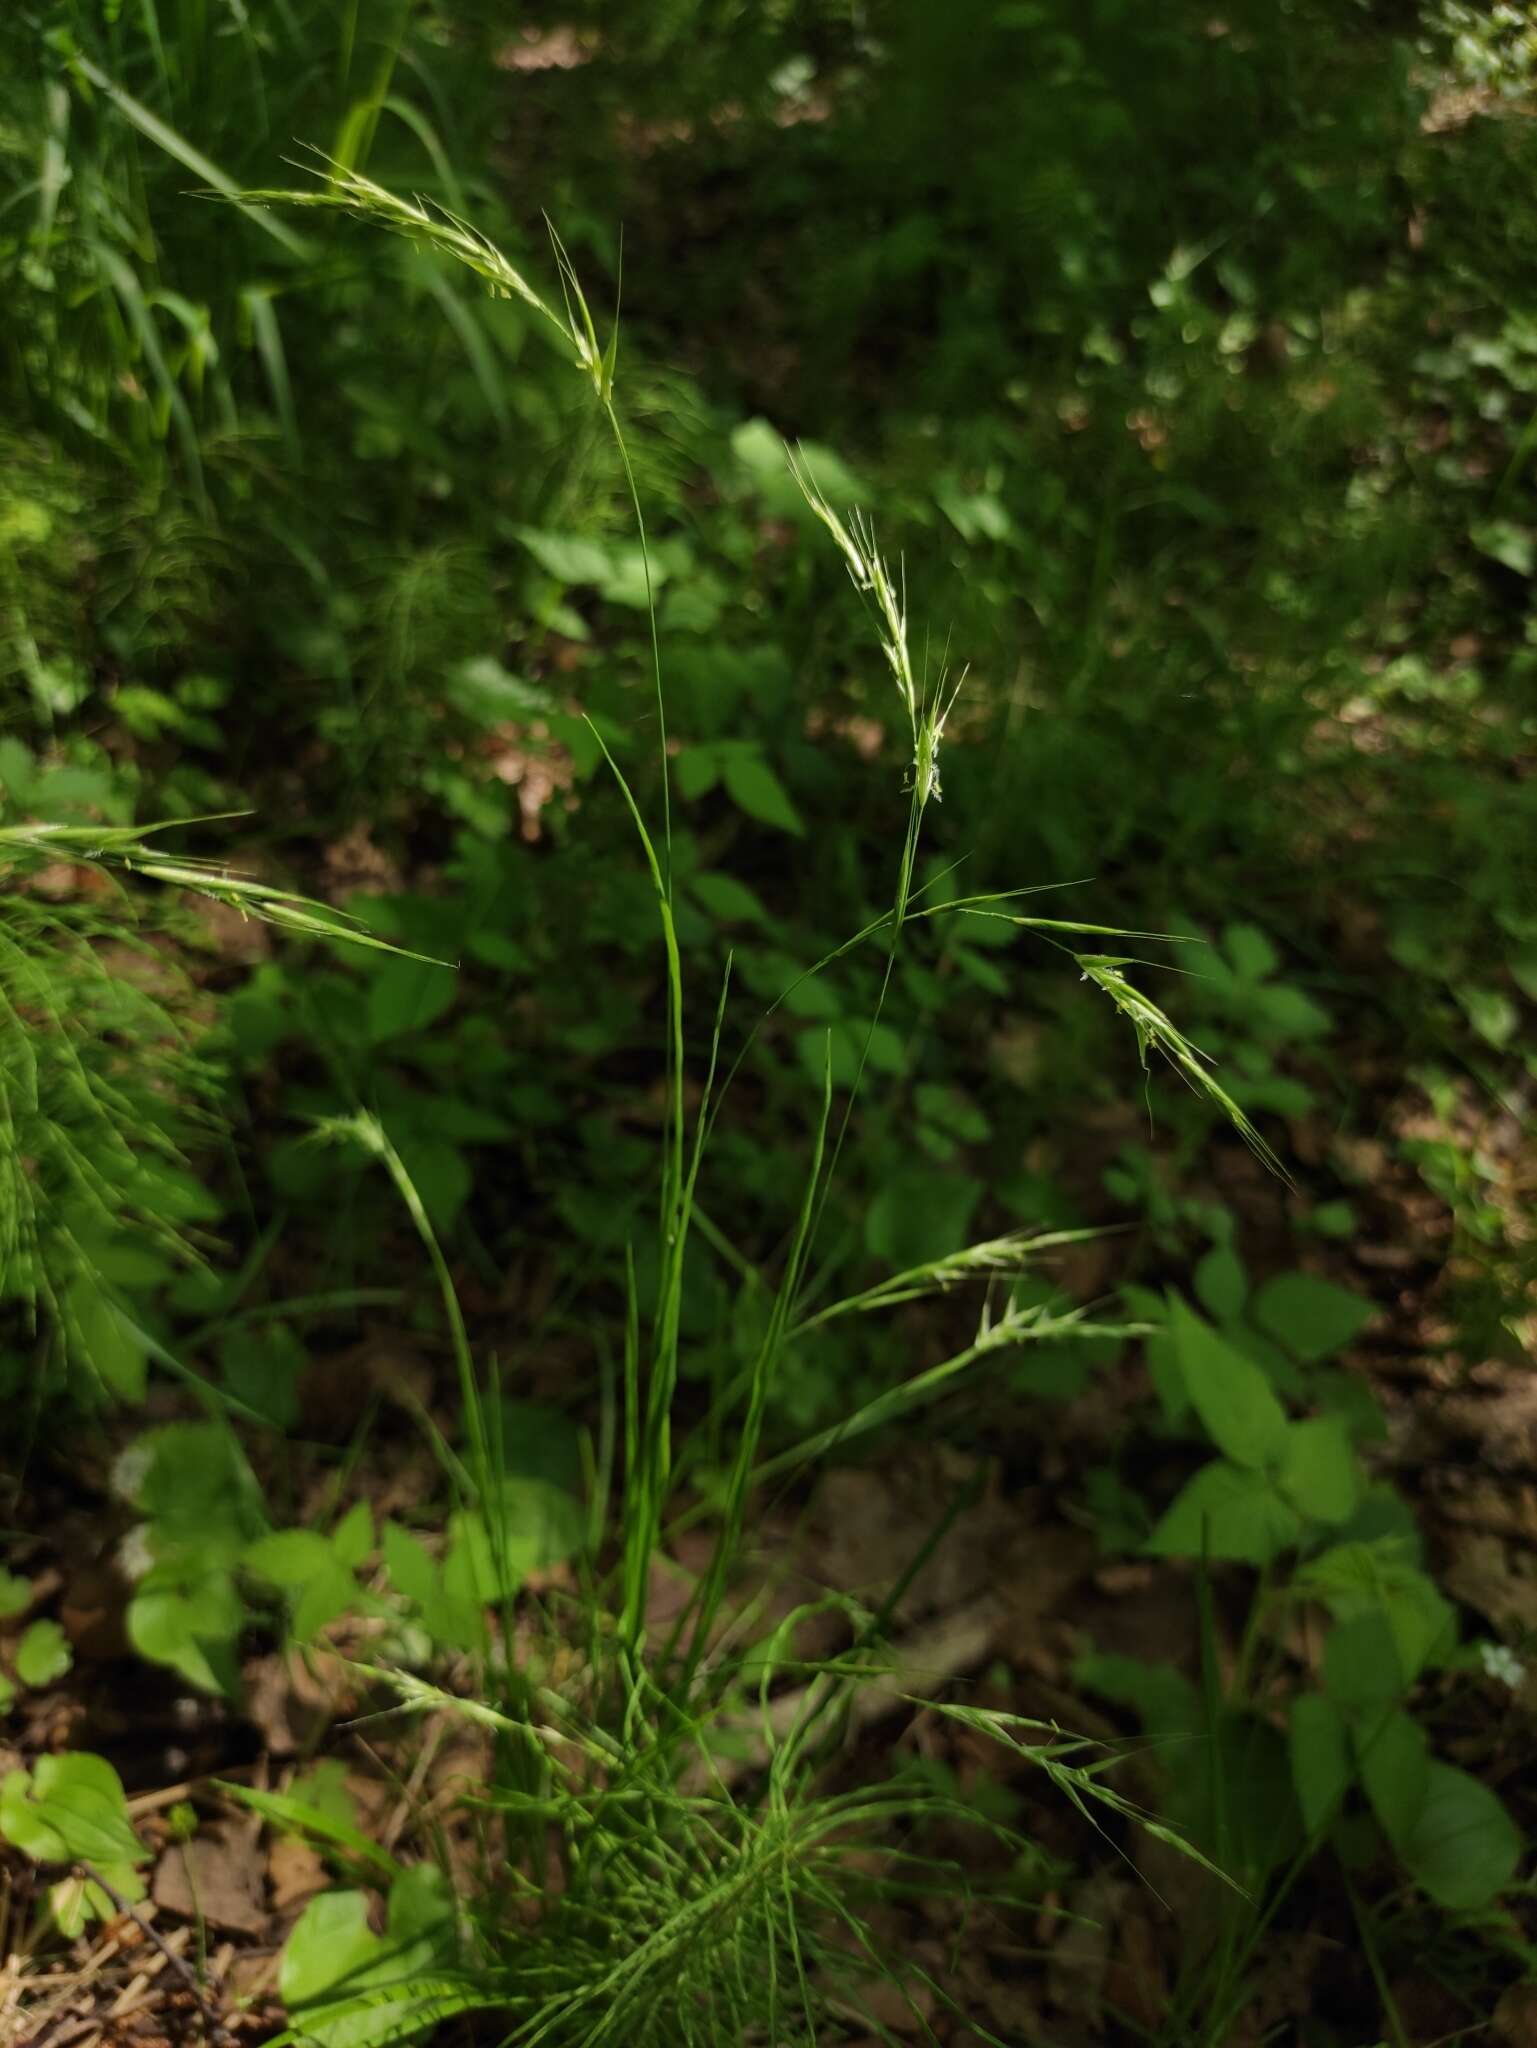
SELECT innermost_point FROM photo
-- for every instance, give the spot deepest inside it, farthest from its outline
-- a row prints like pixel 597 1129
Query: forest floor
pixel 1015 1589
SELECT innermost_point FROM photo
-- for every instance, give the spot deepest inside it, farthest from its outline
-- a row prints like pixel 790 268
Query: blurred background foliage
pixel 1187 356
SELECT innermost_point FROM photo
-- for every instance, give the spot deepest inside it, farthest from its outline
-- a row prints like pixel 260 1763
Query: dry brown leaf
pixel 215 1877
pixel 295 1872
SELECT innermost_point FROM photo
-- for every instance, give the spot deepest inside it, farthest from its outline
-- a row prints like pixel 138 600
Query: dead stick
pixel 216 2028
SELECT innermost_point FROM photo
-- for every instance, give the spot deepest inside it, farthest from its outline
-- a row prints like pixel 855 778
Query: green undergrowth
pixel 689 1031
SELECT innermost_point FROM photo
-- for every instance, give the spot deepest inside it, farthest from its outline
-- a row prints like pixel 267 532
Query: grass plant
pixel 702 1915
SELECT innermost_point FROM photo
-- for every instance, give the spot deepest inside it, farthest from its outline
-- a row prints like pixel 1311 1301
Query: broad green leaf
pixel 330 1593
pixel 1464 1846
pixel 410 1568
pixel 1357 1579
pixel 1322 1770
pixel 1281 1013
pixel 348 1987
pixel 75 1901
pixel 421 1904
pixel 491 694
pixel 43 1654
pixel 353 1537
pixel 540 1525
pixel 330 1946
pixel 1163 1370
pixel 191 1627
pixel 15 1594
pixel 1523 970
pixel 194 1483
pixel 1231 1395
pixel 70 1808
pixel 1318 1474
pixel 625 582
pixel 441 1175
pixel 567 556
pixel 953 1111
pixel 323 1788
pixel 1221 1284
pixel 539 1441
pixel 406 996
pixel 1250 951
pixel 289 1557
pixel 1351 1402
pixel 724 897
pixel 1362 1670
pixel 760 449
pixel 1226 1512
pixel 1162 1696
pixel 1506 542
pixel 918 1216
pixel 754 788
pixel 261 1367
pixel 696 771
pixel 1312 1318
pixel 1491 1013
pixel 1394 1759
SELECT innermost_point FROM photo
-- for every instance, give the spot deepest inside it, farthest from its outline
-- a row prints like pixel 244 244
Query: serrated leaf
pixel 15 1594
pixel 1312 1318
pixel 1226 1512
pixel 1231 1395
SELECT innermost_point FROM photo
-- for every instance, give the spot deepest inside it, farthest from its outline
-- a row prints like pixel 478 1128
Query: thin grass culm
pixel 699 1900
